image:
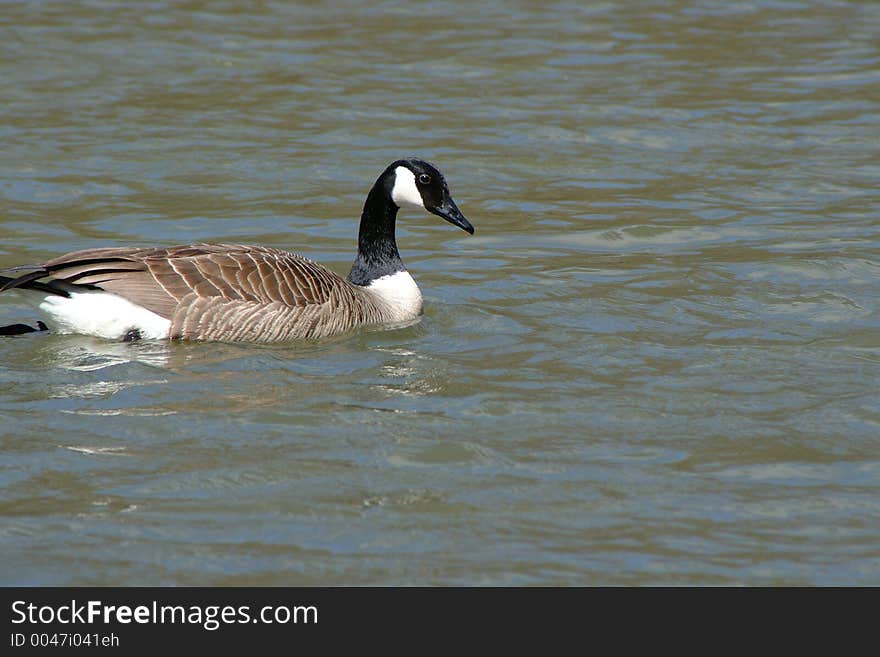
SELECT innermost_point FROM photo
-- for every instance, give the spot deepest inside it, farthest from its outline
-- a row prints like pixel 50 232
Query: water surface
pixel 656 361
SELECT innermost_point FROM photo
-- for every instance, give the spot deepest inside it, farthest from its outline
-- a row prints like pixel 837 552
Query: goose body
pixel 236 292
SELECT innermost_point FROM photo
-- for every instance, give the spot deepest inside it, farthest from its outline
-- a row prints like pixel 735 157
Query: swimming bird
pixel 241 293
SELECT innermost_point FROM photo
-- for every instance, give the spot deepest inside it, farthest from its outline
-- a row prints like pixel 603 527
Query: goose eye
pixel 424 178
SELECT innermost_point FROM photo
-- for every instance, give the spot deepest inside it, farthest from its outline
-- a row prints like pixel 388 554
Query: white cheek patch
pixel 405 191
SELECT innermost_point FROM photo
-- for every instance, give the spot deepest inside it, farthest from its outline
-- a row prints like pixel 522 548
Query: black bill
pixel 449 211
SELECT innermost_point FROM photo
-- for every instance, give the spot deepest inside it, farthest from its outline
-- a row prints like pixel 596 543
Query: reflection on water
pixel 98 451
pixel 84 354
pixel 655 362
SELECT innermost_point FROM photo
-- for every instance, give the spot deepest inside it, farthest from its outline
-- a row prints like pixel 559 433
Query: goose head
pixel 416 183
pixel 408 182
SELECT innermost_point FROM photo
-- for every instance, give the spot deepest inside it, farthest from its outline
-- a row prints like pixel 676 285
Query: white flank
pixel 400 294
pixel 103 315
pixel 405 191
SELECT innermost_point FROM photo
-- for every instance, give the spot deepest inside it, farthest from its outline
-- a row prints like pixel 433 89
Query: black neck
pixel 377 249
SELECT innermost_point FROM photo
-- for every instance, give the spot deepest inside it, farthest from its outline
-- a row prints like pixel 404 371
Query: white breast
pixel 400 295
pixel 103 315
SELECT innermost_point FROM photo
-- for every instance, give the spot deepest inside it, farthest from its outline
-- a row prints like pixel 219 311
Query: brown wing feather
pixel 162 279
pixel 257 274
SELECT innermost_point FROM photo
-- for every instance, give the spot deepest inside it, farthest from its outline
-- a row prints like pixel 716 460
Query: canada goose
pixel 233 292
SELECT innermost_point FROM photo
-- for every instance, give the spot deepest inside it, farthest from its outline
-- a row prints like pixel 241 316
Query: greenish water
pixel 656 361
